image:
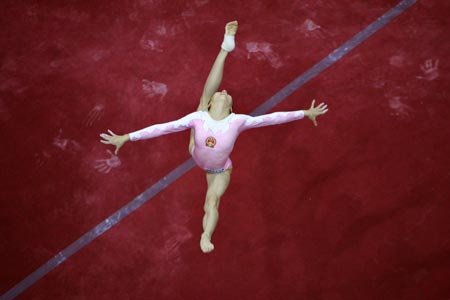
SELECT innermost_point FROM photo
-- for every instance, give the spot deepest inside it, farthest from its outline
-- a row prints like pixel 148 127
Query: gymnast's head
pixel 221 100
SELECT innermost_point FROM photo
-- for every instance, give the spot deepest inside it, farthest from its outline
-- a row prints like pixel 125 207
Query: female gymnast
pixel 214 129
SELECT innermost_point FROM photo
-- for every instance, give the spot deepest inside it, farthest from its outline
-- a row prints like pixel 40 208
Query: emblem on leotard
pixel 210 142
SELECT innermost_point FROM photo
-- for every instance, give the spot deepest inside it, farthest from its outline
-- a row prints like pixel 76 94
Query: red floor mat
pixel 353 209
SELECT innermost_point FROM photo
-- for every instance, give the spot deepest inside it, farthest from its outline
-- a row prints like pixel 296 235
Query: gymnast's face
pixel 223 97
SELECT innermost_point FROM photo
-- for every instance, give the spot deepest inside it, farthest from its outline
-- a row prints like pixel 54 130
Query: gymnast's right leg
pixel 215 75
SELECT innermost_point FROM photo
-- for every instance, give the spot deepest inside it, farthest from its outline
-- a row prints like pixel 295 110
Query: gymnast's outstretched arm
pixel 284 117
pixel 148 132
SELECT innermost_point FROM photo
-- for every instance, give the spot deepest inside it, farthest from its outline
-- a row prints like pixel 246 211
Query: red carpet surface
pixel 356 208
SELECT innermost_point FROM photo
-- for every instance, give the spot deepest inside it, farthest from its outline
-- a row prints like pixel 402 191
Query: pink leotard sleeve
pixel 214 140
pixel 165 128
pixel 271 119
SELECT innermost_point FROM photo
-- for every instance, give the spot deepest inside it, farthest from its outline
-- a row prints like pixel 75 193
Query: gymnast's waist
pixel 215 171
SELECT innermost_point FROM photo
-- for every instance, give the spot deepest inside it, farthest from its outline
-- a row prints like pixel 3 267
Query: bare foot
pixel 205 243
pixel 231 28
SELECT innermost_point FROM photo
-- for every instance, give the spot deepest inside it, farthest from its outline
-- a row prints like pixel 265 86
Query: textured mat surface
pixel 356 208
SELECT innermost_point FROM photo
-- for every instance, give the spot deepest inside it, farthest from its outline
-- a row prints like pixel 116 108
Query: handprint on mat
pixel 153 89
pixel 66 144
pixel 430 70
pixel 94 115
pixel 263 51
pixel 106 165
pixel 399 108
pixel 311 29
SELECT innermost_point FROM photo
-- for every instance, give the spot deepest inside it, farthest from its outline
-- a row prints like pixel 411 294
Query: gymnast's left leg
pixel 217 185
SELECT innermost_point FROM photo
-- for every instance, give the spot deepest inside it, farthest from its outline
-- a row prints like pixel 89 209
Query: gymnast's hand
pixel 114 139
pixel 314 112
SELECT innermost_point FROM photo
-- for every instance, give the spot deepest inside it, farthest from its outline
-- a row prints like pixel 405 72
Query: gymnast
pixel 214 129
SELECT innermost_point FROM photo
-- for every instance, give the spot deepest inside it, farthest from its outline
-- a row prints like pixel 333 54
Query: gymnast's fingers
pixel 323 108
pixel 105 142
pixel 105 136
